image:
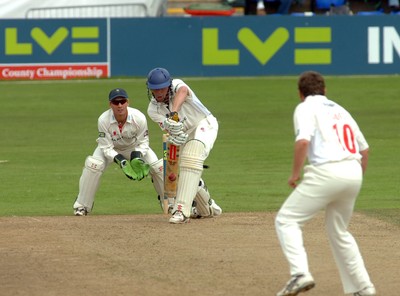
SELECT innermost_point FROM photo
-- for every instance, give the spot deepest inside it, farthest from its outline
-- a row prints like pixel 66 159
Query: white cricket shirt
pixel 192 110
pixel 333 133
pixel 134 134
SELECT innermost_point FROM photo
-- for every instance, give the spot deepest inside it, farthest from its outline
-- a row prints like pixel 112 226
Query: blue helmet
pixel 158 78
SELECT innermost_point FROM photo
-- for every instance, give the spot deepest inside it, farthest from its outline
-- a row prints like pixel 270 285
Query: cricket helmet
pixel 158 78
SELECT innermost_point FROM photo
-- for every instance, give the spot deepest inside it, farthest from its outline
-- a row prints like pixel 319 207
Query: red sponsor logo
pixel 172 152
pixel 45 72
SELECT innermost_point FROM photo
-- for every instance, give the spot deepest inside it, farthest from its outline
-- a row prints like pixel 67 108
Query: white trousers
pixel 89 182
pixel 206 132
pixel 332 187
pixel 150 158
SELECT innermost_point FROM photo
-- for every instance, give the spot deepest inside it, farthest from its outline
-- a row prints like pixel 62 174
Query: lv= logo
pixel 49 44
pixel 263 51
pixel 312 41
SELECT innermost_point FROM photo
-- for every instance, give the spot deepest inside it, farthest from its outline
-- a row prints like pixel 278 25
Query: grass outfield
pixel 48 128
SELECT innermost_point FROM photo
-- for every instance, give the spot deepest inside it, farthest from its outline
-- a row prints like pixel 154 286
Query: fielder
pixel 123 139
pixel 337 153
pixel 196 133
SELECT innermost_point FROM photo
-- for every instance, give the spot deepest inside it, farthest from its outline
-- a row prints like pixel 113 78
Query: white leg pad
pixel 156 172
pixel 89 182
pixel 157 177
pixel 203 200
pixel 191 168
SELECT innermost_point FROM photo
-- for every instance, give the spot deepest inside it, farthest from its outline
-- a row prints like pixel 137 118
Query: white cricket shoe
pixel 367 291
pixel 297 284
pixel 178 218
pixel 215 209
pixel 80 211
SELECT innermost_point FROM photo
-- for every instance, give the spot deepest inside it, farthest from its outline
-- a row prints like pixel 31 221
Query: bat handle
pixel 174 116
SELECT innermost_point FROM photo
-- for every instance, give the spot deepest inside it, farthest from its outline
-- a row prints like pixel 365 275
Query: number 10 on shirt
pixel 346 133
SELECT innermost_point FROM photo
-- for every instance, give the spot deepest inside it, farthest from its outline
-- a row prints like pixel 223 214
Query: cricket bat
pixel 171 171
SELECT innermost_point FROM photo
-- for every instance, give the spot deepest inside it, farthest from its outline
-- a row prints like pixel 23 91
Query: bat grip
pixel 174 116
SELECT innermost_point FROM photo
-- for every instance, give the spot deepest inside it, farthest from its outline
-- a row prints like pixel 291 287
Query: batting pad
pixel 202 200
pixel 191 168
pixel 89 182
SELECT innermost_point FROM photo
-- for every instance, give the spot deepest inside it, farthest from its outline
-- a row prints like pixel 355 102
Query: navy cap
pixel 117 93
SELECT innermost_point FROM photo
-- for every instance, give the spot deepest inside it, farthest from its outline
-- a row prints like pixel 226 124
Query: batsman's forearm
pixel 180 98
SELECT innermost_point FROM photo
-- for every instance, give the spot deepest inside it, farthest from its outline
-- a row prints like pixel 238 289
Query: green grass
pixel 48 128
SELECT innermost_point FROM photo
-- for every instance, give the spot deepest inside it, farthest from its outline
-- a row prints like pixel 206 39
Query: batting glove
pixel 172 127
pixel 178 139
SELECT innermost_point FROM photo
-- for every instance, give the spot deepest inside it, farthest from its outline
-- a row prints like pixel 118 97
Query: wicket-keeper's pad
pixel 89 181
pixel 191 168
pixel 156 172
pixel 203 200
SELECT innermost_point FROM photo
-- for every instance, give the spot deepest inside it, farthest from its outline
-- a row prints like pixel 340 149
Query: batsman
pixel 191 127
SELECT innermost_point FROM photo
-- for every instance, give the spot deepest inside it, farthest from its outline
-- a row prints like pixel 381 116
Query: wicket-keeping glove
pixel 125 166
pixel 138 165
pixel 178 139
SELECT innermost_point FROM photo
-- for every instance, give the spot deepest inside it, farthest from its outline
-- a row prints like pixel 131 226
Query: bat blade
pixel 165 152
pixel 171 171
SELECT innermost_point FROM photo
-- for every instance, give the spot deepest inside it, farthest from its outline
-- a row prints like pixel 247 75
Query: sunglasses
pixel 117 102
